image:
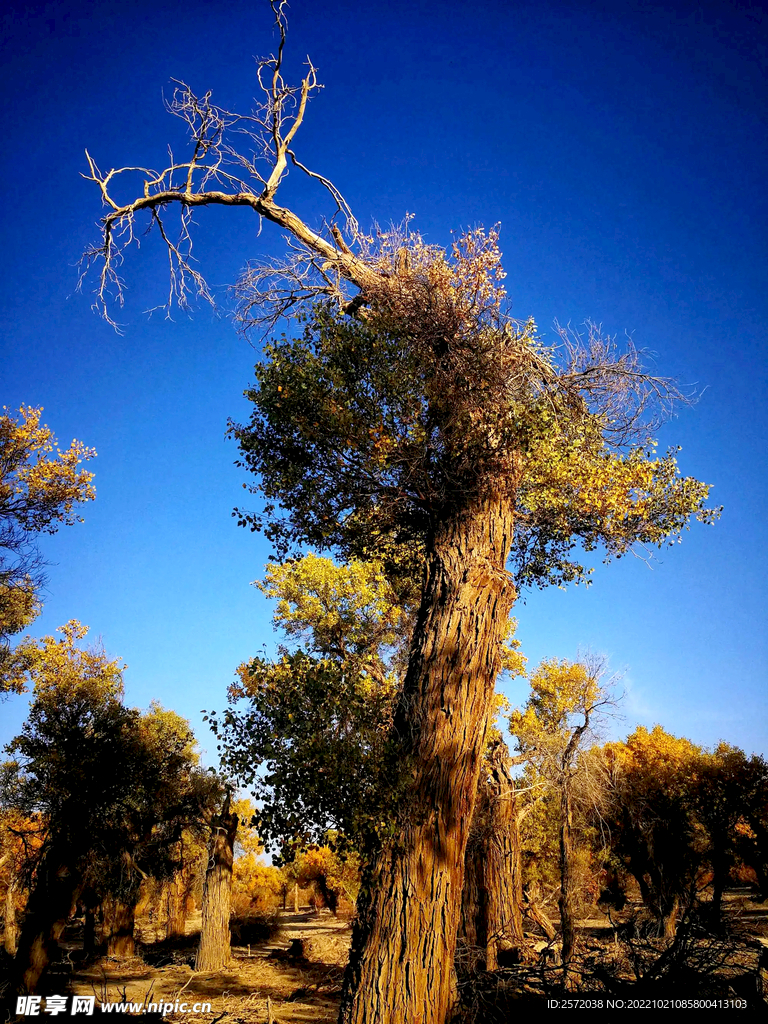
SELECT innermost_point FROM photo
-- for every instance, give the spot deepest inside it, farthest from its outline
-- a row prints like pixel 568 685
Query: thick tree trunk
pixel 10 920
pixel 118 927
pixel 503 868
pixel 50 904
pixel 404 940
pixel 214 951
pixel 492 898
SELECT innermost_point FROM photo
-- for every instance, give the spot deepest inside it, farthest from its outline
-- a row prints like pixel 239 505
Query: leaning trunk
pixel 118 926
pixel 10 926
pixel 213 953
pixel 535 912
pixel 405 937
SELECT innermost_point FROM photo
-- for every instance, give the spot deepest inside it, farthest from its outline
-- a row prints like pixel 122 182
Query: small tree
pixel 566 700
pixel 334 877
pixel 317 718
pixel 257 888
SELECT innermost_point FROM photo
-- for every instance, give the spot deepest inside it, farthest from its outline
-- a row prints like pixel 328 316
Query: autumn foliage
pixel 41 487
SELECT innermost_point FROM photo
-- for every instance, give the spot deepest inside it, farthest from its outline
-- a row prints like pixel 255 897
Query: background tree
pixel 753 830
pixel 334 878
pixel 40 488
pixel 722 795
pixel 652 816
pixel 566 700
pixel 112 786
pixel 257 887
pixel 72 725
pixel 163 829
pixel 306 732
pixel 20 839
pixel 438 421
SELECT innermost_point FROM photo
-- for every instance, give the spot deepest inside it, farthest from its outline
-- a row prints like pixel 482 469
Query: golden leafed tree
pixel 40 489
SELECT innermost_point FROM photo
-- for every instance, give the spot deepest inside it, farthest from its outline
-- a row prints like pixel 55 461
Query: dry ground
pixel 260 978
pixel 266 984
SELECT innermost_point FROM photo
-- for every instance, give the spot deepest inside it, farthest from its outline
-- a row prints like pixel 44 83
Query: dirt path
pixel 260 978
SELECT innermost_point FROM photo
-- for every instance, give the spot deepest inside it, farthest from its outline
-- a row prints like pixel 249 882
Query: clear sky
pixel 622 148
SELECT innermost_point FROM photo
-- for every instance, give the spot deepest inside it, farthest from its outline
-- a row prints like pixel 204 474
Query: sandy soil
pixel 260 978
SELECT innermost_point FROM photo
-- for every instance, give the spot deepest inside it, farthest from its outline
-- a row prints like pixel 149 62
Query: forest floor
pixel 262 978
pixel 281 982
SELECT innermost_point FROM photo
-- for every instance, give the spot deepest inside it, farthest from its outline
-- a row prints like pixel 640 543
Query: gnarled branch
pixel 218 174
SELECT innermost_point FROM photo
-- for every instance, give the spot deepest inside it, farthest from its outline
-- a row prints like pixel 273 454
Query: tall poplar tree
pixel 413 414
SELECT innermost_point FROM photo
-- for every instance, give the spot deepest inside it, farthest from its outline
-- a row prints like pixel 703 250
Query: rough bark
pixel 669 915
pixel 214 951
pixel 533 909
pixel 118 927
pixel 404 940
pixel 472 923
pixel 503 868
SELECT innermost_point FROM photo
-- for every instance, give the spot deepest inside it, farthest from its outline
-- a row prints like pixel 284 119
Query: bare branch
pixel 632 403
pixel 217 173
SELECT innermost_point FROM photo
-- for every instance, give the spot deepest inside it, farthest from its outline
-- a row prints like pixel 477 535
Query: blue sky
pixel 621 147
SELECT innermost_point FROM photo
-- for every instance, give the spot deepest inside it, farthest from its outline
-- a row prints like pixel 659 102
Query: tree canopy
pixel 362 442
